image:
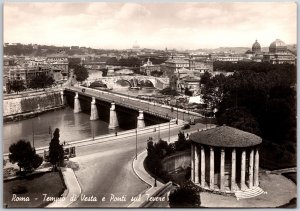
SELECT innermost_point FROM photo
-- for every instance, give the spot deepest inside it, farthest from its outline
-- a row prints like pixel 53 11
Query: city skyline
pixel 152 25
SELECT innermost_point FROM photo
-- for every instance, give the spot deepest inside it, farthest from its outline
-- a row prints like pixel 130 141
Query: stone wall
pixel 180 160
pixel 31 103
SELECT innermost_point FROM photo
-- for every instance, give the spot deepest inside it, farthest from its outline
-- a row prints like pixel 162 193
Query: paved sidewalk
pixel 140 171
pixel 73 190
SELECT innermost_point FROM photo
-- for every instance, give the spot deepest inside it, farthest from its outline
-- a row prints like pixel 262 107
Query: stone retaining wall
pixel 20 105
pixel 177 161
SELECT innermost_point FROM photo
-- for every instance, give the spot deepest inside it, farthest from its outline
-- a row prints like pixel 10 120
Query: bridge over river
pixel 118 102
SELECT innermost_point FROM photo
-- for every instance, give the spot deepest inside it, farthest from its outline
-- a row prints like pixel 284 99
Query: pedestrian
pixel 116 133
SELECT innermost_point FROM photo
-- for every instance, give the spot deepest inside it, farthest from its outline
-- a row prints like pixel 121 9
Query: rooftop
pixel 225 136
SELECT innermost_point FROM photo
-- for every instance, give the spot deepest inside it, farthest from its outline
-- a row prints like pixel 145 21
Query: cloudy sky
pixel 152 25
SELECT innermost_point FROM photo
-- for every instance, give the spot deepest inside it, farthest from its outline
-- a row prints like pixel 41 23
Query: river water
pixel 72 127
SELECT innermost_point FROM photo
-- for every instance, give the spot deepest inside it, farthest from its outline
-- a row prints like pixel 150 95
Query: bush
pixel 184 197
pixel 19 190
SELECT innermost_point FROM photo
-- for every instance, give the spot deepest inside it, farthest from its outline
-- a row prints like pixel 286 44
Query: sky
pixel 153 25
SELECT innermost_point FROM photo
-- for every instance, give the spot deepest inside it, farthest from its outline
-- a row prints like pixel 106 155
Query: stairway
pixel 249 193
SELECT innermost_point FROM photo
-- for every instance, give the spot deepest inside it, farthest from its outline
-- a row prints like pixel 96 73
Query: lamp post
pixel 136 143
pixel 155 185
pixel 158 131
pixel 169 130
pixel 177 112
pixel 32 133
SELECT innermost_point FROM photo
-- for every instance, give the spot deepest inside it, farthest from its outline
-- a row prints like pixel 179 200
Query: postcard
pixel 149 105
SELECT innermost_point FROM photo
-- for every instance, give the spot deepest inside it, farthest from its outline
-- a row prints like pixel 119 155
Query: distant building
pixel 59 61
pixel 148 68
pixel 278 54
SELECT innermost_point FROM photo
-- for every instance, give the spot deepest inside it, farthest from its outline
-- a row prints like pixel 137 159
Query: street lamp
pixel 136 143
pixel 169 130
pixel 32 133
pixel 155 185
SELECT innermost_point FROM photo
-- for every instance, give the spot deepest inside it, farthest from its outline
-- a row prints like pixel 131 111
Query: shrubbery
pixel 184 197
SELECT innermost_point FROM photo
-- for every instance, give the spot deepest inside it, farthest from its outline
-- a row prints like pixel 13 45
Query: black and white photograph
pixel 149 104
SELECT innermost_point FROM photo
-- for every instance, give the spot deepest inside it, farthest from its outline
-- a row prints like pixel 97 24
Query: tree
pixel 73 62
pixel 25 155
pixel 184 197
pixel 168 91
pixel 56 151
pixel 181 143
pixel 81 73
pixel 205 78
pixel 112 61
pixel 17 85
pixel 41 81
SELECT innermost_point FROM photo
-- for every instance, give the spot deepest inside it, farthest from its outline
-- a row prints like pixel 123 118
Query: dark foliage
pixel 56 152
pixel 183 197
pixel 81 73
pixel 41 81
pixel 182 143
pixel 258 98
pixel 25 155
pixel 17 85
pixel 168 91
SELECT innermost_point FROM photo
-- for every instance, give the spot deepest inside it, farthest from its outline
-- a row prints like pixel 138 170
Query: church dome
pixel 277 46
pixel 256 48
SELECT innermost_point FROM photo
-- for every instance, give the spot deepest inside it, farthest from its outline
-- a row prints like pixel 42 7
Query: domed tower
pixel 277 46
pixel 256 47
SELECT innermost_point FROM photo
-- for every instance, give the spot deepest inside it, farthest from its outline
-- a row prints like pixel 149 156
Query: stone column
pixel 192 163
pixel 233 169
pixel 251 168
pixel 222 170
pixel 94 111
pixel 140 120
pixel 256 168
pixel 243 170
pixel 77 107
pixel 212 169
pixel 202 167
pixel 63 98
pixel 113 120
pixel 196 153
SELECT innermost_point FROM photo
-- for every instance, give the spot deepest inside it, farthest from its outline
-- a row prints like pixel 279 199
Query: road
pixel 106 169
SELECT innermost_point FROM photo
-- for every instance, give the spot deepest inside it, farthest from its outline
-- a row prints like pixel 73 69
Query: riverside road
pixel 105 170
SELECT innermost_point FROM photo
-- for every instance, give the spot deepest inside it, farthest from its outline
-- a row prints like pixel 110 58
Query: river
pixel 72 127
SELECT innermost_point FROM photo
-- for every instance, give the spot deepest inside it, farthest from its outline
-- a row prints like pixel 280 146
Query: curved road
pixel 106 169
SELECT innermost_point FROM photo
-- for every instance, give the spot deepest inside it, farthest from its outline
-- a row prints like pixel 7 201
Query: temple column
pixel 192 163
pixel 77 107
pixel 256 168
pixel 140 120
pixel 243 170
pixel 212 169
pixel 202 167
pixel 233 169
pixel 222 170
pixel 63 97
pixel 94 111
pixel 196 153
pixel 251 168
pixel 113 120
